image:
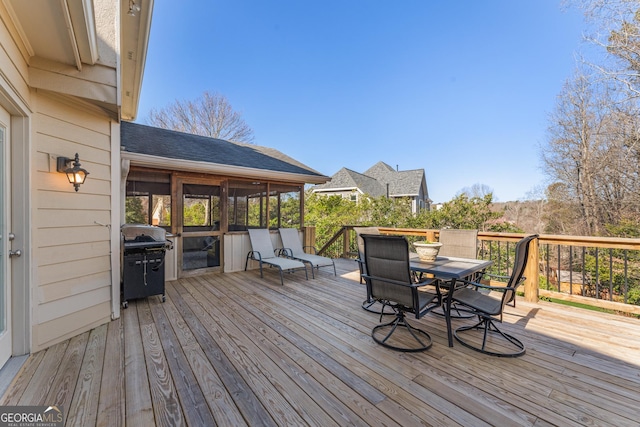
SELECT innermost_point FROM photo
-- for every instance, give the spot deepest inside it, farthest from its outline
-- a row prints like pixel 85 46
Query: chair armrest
pixel 489 287
pixel 430 281
pixel 497 276
pixel 253 254
pixel 286 252
pixel 313 249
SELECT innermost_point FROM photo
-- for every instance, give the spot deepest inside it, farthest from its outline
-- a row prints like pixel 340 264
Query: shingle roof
pixel 375 179
pixel 379 170
pixel 153 141
pixel 348 179
pixel 406 183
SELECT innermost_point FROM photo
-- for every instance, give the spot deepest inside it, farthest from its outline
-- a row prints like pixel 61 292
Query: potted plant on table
pixel 427 250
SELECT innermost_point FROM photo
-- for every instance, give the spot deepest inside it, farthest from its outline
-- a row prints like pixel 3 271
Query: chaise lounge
pixel 292 247
pixel 263 252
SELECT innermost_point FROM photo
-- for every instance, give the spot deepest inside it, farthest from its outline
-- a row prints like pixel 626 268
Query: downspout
pixel 118 186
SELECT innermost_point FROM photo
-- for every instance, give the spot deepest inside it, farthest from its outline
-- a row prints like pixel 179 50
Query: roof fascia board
pixel 217 168
pixel 134 42
pixel 72 35
pixel 333 190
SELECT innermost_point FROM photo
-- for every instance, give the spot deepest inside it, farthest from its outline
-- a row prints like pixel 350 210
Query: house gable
pixel 379 180
pixel 349 180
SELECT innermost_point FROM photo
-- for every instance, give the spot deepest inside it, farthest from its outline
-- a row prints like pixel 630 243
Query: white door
pixel 5 241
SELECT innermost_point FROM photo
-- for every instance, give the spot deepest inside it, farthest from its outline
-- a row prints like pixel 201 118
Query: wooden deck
pixel 234 349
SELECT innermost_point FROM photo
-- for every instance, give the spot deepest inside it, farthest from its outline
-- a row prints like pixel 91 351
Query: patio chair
pixel 292 248
pixel 363 230
pixel 482 302
pixel 389 281
pixel 369 304
pixel 458 243
pixel 262 251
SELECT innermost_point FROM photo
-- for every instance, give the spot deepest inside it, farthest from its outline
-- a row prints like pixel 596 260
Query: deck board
pixel 84 404
pixel 111 406
pixel 235 349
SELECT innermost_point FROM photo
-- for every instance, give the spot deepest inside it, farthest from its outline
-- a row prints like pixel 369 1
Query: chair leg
pixel 416 335
pixel 313 274
pixel 490 329
pixel 456 312
pixel 369 304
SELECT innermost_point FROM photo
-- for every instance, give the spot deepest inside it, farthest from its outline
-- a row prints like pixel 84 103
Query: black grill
pixel 143 252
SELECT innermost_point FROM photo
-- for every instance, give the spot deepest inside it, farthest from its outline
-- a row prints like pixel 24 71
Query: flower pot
pixel 427 251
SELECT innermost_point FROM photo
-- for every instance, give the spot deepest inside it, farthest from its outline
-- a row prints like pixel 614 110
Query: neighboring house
pixel 70 71
pixel 239 186
pixel 379 180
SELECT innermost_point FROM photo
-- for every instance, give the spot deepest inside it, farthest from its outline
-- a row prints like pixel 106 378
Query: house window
pixel 148 201
pixel 284 206
pixel 256 204
pixel 201 207
pixel 247 205
pixel 354 197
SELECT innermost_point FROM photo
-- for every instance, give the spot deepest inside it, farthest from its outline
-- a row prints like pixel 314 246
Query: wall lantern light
pixel 76 175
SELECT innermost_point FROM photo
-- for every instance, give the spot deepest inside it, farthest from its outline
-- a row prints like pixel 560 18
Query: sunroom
pixel 206 193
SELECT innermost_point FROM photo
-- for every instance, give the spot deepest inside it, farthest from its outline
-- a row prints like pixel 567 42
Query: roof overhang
pixel 146 160
pixel 60 41
pixel 135 30
pixel 60 31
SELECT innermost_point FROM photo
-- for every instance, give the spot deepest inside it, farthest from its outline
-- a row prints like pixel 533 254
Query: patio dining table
pixel 449 269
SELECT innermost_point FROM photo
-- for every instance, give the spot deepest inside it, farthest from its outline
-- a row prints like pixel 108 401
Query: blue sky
pixel 462 89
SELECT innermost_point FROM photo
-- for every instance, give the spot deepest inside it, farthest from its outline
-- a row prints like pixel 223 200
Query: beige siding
pixel 49 333
pixel 65 275
pixel 72 279
pixel 236 248
pixel 12 62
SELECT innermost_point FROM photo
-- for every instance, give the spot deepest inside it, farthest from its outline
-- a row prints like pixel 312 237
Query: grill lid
pixel 142 244
pixel 132 231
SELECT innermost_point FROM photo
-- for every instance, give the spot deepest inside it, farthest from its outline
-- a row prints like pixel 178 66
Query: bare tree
pixel 561 213
pixel 477 190
pixel 209 115
pixel 571 155
pixel 591 154
pixel 615 27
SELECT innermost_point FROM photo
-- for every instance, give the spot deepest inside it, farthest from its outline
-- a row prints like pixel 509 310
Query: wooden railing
pixel 597 271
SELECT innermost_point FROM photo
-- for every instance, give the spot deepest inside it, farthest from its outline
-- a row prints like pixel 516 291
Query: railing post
pixel 309 236
pixel 345 241
pixel 531 272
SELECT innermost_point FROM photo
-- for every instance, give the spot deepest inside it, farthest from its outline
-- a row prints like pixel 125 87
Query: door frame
pixel 6 346
pixel 21 217
pixel 177 207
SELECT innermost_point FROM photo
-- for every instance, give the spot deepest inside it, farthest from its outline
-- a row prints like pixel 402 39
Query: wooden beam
pixel 532 273
pixel 94 82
